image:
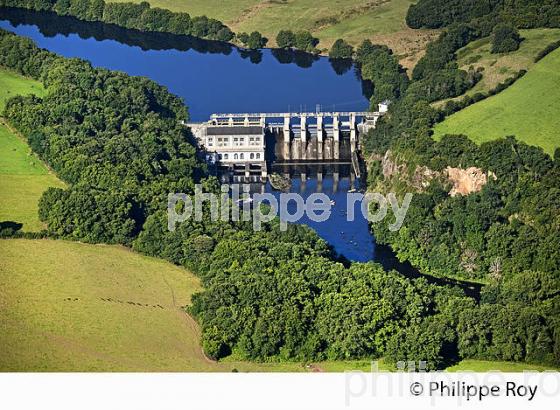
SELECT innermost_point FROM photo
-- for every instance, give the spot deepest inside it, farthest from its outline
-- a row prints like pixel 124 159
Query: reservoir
pixel 210 76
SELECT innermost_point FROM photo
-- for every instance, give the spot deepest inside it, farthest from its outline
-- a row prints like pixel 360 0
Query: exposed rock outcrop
pixel 467 181
pixel 463 181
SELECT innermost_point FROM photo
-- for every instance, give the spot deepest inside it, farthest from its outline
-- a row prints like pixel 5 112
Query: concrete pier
pixel 303 128
pixel 320 127
pixel 336 128
pixel 353 137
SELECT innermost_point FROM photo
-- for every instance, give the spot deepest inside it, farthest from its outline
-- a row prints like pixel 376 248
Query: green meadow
pixel 529 109
pixel 68 306
pixel 499 67
pixel 23 176
pixel 489 366
pixel 12 84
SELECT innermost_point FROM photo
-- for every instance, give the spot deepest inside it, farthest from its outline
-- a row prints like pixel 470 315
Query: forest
pixel 118 144
pixel 131 15
pixel 520 13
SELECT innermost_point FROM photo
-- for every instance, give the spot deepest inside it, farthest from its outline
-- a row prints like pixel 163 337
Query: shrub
pixel 286 39
pixel 505 39
pixel 341 49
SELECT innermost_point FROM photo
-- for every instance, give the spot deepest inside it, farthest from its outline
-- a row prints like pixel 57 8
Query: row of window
pixel 252 155
pixel 237 141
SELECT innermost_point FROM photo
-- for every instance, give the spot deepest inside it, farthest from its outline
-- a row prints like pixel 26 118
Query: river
pixel 218 77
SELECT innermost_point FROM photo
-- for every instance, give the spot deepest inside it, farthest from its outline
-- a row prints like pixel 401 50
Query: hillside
pixel 12 84
pixel 528 109
pixel 497 68
pixel 70 306
pixel 382 21
pixel 23 176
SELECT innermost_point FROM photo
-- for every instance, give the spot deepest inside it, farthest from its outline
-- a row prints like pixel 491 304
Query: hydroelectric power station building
pixel 244 143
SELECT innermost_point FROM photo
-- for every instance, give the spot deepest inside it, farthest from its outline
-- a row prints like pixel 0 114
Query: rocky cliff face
pixel 462 181
pixel 467 181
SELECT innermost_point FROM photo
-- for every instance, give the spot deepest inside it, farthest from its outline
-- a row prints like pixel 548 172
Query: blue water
pixel 353 240
pixel 208 81
pixel 217 77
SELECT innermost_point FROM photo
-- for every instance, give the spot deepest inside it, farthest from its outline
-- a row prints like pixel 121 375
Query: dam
pixel 243 145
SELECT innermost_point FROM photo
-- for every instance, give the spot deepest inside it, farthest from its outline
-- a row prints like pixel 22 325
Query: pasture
pixel 471 365
pixel 12 84
pixel 528 109
pixel 499 67
pixel 23 176
pixel 69 306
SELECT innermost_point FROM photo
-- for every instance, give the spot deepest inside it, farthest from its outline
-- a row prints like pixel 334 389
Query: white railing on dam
pixel 297 114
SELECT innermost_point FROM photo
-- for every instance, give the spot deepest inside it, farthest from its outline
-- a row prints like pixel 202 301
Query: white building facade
pixel 232 144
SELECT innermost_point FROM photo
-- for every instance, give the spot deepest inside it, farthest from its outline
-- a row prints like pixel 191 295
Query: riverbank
pixel 387 20
pixel 381 21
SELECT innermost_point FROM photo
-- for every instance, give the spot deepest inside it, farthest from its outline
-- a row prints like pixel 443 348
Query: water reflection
pixel 211 76
pixel 299 58
pixel 51 24
pixel 341 65
pixel 351 239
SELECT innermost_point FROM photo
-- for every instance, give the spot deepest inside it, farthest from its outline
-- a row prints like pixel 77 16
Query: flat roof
pixel 234 130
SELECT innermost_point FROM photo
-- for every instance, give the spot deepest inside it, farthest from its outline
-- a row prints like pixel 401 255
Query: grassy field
pixel 354 20
pixel 499 67
pixel 14 84
pixel 23 177
pixel 76 307
pixel 529 109
pixel 488 366
pixel 68 306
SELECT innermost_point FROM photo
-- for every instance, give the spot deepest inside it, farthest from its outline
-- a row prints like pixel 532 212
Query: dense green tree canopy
pixel 505 38
pixel 286 39
pixel 341 49
pixel 520 13
pixel 138 16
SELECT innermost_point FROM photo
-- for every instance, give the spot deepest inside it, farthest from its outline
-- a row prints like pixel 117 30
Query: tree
pixel 79 8
pixel 156 19
pixel 243 38
pixel 224 34
pixel 95 11
pixel 341 49
pixel 180 23
pixel 253 41
pixel 433 342
pixel 505 38
pixel 305 41
pixel 62 7
pixel 286 39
